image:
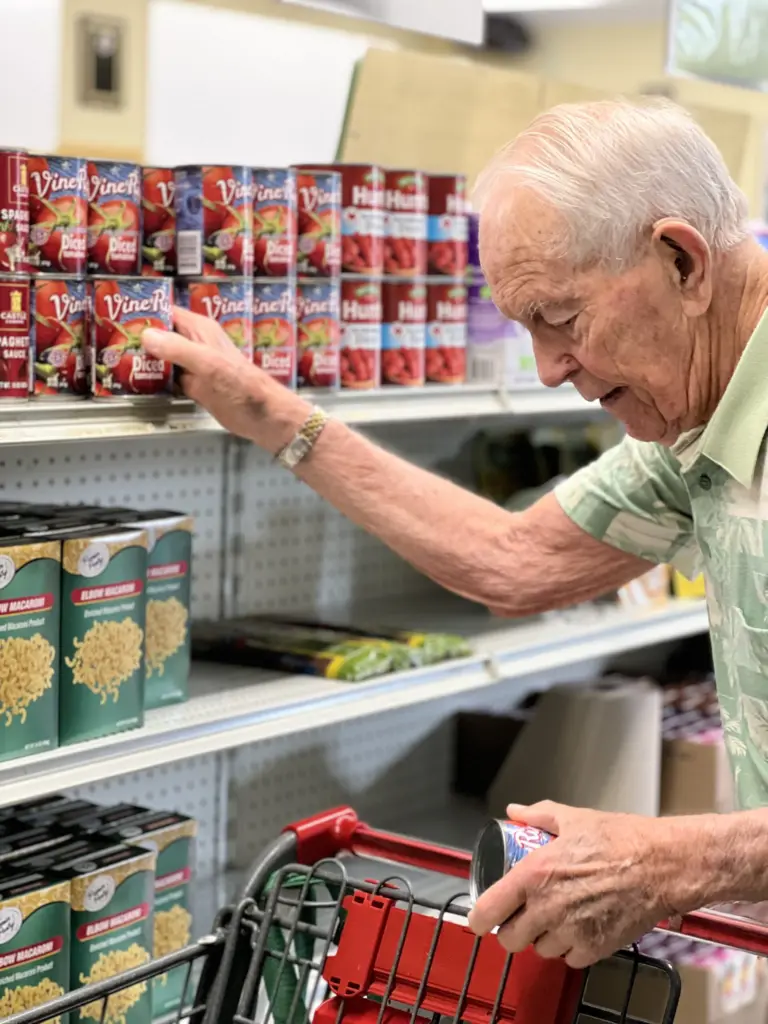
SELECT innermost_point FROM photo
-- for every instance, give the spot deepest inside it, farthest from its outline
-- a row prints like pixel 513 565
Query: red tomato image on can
pixel 274 329
pixel 403 333
pixel 360 333
pixel 58 210
pixel 14 337
pixel 158 246
pixel 14 210
pixel 122 311
pixel 446 332
pixel 229 303
pixel 114 217
pixel 318 208
pixel 59 330
pixel 448 225
pixel 406 203
pixel 214 221
pixel 317 313
pixel 274 221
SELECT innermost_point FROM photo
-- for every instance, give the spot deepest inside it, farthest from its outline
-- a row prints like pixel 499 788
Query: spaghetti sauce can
pixel 229 303
pixel 360 332
pixel 58 215
pixel 158 221
pixel 501 845
pixel 317 313
pixel 446 332
pixel 448 231
pixel 214 221
pixel 403 334
pixel 14 337
pixel 274 328
pixel 123 308
pixel 59 329
pixel 274 221
pixel 114 217
pixel 406 204
pixel 14 210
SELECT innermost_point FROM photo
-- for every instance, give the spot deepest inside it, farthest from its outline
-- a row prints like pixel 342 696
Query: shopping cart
pixel 310 942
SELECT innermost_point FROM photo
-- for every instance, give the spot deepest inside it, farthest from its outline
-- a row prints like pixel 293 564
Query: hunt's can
pixel 228 302
pixel 274 328
pixel 446 332
pixel 59 332
pixel 114 217
pixel 501 845
pixel 14 210
pixel 158 219
pixel 448 229
pixel 405 223
pixel 403 334
pixel 274 221
pixel 360 332
pixel 58 215
pixel 214 221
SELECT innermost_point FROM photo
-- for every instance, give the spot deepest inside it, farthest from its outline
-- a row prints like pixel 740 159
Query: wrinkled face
pixel 621 339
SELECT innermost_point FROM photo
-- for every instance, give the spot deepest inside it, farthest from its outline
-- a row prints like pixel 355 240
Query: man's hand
pixel 244 399
pixel 605 881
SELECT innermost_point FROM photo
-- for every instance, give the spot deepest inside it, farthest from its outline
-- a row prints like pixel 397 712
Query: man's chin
pixel 656 433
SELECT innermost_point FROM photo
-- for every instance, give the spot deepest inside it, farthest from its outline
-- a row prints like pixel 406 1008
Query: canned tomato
pixel 448 230
pixel 14 210
pixel 122 310
pixel 59 329
pixel 362 218
pixel 501 845
pixel 274 221
pixel 214 221
pixel 158 217
pixel 403 334
pixel 318 212
pixel 360 333
pixel 446 361
pixel 274 328
pixel 317 315
pixel 230 303
pixel 406 202
pixel 14 337
pixel 58 212
pixel 114 217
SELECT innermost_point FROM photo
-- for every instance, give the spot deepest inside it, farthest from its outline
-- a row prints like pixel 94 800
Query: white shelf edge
pixel 292 704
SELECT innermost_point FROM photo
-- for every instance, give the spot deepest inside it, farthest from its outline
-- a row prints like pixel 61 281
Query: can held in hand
pixel 406 203
pixel 114 217
pixel 59 332
pixel 318 212
pixel 274 221
pixel 274 328
pixel 14 210
pixel 122 310
pixel 446 361
pixel 403 333
pixel 448 228
pixel 360 332
pixel 158 221
pixel 501 845
pixel 229 303
pixel 317 315
pixel 58 214
pixel 214 221
pixel 14 337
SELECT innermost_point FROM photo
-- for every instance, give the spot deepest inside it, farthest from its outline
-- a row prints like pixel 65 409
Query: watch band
pixel 304 440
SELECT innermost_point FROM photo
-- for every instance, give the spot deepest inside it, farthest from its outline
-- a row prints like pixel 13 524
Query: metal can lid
pixel 489 859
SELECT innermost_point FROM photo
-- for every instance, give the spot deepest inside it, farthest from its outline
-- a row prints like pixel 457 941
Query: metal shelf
pixel 231 707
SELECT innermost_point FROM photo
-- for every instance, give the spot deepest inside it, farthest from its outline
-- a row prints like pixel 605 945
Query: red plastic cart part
pixel 340 830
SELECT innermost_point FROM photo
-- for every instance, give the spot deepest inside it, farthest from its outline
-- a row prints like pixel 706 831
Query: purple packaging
pixel 499 351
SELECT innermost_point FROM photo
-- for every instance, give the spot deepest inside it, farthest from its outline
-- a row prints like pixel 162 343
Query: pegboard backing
pixel 185 473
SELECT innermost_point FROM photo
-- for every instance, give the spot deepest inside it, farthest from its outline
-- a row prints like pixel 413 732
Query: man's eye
pixel 569 322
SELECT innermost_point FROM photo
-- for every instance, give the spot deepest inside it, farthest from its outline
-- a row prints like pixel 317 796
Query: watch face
pixel 296 451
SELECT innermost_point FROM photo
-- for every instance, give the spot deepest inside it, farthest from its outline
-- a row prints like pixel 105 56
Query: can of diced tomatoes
pixel 14 337
pixel 58 215
pixel 228 302
pixel 274 221
pixel 158 219
pixel 406 203
pixel 14 210
pixel 114 217
pixel 403 333
pixel 122 310
pixel 274 328
pixel 318 212
pixel 446 332
pixel 59 322
pixel 214 221
pixel 362 218
pixel 501 845
pixel 360 332
pixel 448 227
pixel 317 316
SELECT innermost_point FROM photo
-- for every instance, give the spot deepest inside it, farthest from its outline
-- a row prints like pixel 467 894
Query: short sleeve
pixel 634 498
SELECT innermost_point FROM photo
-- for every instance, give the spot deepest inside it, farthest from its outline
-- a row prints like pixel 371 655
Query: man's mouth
pixel 611 397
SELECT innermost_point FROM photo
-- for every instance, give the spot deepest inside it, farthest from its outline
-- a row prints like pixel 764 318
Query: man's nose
pixel 554 364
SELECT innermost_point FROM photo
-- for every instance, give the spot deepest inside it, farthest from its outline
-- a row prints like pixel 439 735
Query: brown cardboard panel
pixel 729 130
pixel 553 93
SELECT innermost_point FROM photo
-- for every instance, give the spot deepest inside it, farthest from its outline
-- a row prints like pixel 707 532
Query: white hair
pixel 613 169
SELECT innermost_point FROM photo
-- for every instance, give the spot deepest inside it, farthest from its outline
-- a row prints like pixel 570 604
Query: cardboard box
pixel 695 775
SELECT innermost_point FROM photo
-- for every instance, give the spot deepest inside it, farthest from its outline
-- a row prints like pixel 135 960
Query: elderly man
pixel 615 234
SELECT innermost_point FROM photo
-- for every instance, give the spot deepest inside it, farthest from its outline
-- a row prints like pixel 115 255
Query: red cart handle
pixel 340 830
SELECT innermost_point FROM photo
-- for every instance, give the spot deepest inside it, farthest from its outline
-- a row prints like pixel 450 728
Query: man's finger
pixel 545 815
pixel 550 945
pixel 189 324
pixel 499 903
pixel 520 932
pixel 174 349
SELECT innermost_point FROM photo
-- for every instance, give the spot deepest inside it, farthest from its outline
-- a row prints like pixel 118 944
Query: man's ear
pixel 687 259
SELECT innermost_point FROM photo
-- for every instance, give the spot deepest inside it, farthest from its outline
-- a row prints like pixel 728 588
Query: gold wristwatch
pixel 304 440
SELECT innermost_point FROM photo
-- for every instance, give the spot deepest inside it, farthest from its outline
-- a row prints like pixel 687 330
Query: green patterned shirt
pixel 702 505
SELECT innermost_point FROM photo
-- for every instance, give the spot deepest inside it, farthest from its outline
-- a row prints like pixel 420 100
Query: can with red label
pixel 59 329
pixel 403 333
pixel 214 221
pixel 274 221
pixel 406 203
pixel 360 332
pixel 362 218
pixel 274 328
pixel 499 847
pixel 317 315
pixel 123 308
pixel 448 224
pixel 58 215
pixel 446 332
pixel 114 217
pixel 14 337
pixel 14 210
pixel 158 220
pixel 318 212
pixel 229 302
